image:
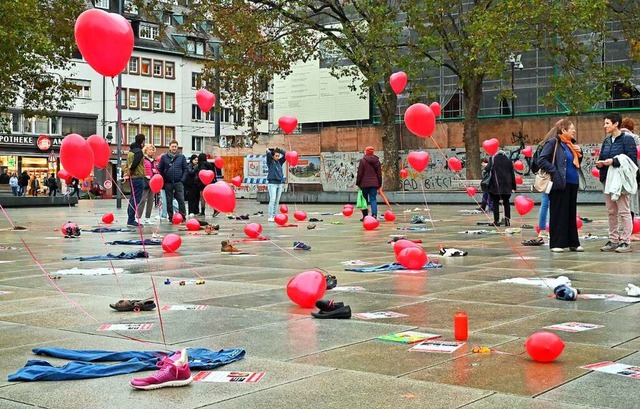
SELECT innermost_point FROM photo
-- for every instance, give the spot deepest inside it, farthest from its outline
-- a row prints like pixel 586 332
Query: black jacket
pixel 205 165
pixel 623 144
pixel 173 170
pixel 503 179
pixel 369 172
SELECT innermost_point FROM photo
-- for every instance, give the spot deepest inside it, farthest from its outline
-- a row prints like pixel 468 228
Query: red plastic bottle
pixel 461 326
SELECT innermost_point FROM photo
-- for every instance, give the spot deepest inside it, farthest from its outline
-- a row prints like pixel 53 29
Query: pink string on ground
pixel 155 295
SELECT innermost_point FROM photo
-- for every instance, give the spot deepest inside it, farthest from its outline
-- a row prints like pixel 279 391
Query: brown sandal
pixel 134 305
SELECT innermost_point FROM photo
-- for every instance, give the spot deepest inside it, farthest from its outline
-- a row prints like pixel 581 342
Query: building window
pixel 157 68
pixel 83 88
pixel 169 134
pixel 134 97
pixel 123 98
pixel 169 102
pixel 264 111
pixel 169 70
pixel 145 66
pixel 166 19
pixel 27 125
pixel 102 4
pixel 225 115
pixel 210 116
pixel 15 123
pixel 129 7
pixel 199 48
pixel 157 101
pixel 196 113
pixel 197 143
pixel 145 100
pixel 133 131
pixel 41 125
pixel 134 63
pixel 157 135
pixel 196 80
pixel 146 131
pixel 149 31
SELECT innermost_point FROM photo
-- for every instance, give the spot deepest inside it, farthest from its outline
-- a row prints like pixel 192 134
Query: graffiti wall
pixel 339 170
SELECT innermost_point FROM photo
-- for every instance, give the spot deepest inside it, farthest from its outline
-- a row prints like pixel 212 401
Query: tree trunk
pixel 472 88
pixel 390 142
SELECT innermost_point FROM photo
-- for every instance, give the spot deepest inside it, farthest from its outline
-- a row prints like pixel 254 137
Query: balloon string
pixel 293 188
pixel 155 296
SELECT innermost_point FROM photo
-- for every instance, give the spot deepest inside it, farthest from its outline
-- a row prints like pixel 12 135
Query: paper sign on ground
pixel 408 337
pixel 103 271
pixel 615 368
pixel 609 297
pixel 446 347
pixel 184 307
pixel 125 327
pixel 378 315
pixel 224 376
pixel 355 263
pixel 574 326
pixel 5 292
pixel 350 289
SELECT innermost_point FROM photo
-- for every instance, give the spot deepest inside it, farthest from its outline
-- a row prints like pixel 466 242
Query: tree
pixel 36 40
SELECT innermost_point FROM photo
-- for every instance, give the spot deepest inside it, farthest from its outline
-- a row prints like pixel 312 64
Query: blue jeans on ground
pixel 131 361
pixel 543 214
pixel 370 194
pixel 175 190
pixel 137 187
pixel 275 191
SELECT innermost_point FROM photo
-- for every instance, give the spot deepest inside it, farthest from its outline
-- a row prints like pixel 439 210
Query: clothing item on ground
pixel 452 252
pixel 538 241
pixel 566 293
pixel 391 267
pixel 146 242
pixel 298 245
pixel 109 230
pixel 122 256
pixel 631 289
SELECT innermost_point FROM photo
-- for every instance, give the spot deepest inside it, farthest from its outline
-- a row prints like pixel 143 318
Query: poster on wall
pixel 338 170
pixel 256 170
pixel 307 170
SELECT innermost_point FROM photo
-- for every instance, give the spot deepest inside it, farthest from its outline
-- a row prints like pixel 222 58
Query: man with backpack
pixel 174 171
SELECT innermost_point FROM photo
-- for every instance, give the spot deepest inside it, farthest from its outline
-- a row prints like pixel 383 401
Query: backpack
pixel 534 160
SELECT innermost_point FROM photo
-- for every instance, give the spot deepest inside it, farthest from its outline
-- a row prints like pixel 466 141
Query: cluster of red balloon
pixel 347 210
pixel 421 118
pixel 410 254
pixel 306 288
pixel 78 156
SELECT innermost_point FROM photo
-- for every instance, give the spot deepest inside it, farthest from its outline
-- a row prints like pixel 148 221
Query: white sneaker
pixel 557 250
pixel 191 215
pixel 271 219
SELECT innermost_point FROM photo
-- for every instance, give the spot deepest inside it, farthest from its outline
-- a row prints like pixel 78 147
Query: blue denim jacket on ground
pixel 130 361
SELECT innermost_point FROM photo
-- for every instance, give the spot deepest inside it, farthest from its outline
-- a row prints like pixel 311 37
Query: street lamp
pixel 515 61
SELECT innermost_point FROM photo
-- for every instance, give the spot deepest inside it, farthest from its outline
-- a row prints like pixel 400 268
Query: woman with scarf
pixel 561 158
pixel 148 197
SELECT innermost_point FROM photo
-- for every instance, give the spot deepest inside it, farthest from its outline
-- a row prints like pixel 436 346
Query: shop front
pixel 36 155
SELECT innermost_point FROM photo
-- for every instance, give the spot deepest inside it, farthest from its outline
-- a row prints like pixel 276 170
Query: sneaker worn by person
pixel 227 247
pixel 215 213
pixel 298 245
pixel 610 246
pixel 271 219
pixel 579 249
pixel 557 250
pixel 623 248
pixel 174 371
pixel 133 224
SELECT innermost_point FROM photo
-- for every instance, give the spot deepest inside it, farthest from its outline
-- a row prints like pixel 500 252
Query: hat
pixel 369 150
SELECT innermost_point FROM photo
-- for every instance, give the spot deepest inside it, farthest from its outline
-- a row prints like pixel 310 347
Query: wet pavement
pixel 310 363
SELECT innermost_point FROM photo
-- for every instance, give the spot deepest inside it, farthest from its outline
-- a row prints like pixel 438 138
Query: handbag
pixel 543 181
pixel 486 180
pixel 361 202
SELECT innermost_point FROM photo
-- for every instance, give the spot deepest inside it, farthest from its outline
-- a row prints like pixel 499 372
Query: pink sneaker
pixel 174 371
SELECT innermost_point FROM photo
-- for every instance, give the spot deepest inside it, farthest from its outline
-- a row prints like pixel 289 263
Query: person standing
pixel 503 182
pixel 13 182
pixel 136 173
pixel 628 127
pixel 148 197
pixel 561 158
pixel 190 186
pixel 52 182
pixel 369 180
pixel 75 184
pixel 204 164
pixel 613 147
pixel 23 182
pixel 174 171
pixel 485 203
pixel 275 179
pixel 35 185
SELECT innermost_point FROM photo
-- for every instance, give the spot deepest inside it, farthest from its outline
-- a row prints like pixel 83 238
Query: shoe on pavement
pixel 579 249
pixel 311 226
pixel 271 219
pixel 332 282
pixel 557 250
pixel 133 224
pixel 566 293
pixel 338 313
pixel 326 306
pixel 174 371
pixel 298 245
pixel 227 247
pixel 623 248
pixel 610 246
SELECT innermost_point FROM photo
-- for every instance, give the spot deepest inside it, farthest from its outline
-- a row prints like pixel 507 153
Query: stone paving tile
pixel 503 401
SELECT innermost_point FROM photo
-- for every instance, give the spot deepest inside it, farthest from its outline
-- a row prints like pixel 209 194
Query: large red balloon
pixel 636 226
pixel 76 156
pixel 471 191
pixel 105 41
pixel 347 211
pixel 518 165
pixel 413 258
pixel 219 162
pixel 418 160
pixel 389 216
pixel 491 146
pixel 205 99
pixel 288 124
pixel 236 181
pixel 253 230
pixel 192 224
pixel 101 151
pixel 523 204
pixel 436 108
pixel 454 164
pixel 107 218
pixel 544 346
pixel 284 208
pixel 177 218
pixel 398 82
pixel 299 215
pixel 206 176
pixel 291 157
pixel 370 223
pixel 281 219
pixel 404 173
pixel 420 120
pixel 220 196
pixel 156 183
pixel 64 175
pixel 527 152
pixel 171 243
pixel 402 244
pixel 306 288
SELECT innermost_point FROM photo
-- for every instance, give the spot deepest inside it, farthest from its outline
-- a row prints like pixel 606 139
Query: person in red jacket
pixel 369 180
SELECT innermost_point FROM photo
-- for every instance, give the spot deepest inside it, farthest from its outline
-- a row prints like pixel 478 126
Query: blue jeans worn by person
pixel 370 194
pixel 175 190
pixel 14 190
pixel 275 192
pixel 543 214
pixel 130 361
pixel 137 187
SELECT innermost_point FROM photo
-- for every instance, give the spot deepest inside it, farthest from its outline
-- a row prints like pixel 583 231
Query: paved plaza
pixel 311 363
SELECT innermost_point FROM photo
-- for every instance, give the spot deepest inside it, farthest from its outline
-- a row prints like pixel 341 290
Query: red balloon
pixel 518 165
pixel 101 151
pixel 64 175
pixel 220 196
pixel 236 181
pixel 454 164
pixel 413 258
pixel 389 216
pixel 404 173
pixel 281 219
pixel 68 225
pixel 306 288
pixel 205 99
pixel 288 124
pixel 253 230
pixel 519 180
pixel 156 183
pixel 193 225
pixel 177 218
pixel 107 218
pixel 527 152
pixel 105 41
pixel 491 146
pixel 76 156
pixel 398 82
pixel 349 205
pixel 538 228
pixel 171 243
pixel 370 223
pixel 206 176
pixel 402 244
pixel 638 150
pixel 219 162
pixel 636 225
pixel 299 215
pixel 544 346
pixel 436 108
pixel 579 222
pixel 418 160
pixel 420 120
pixel 347 211
pixel 595 172
pixel 291 157
pixel 471 191
pixel 523 204
pixel 284 208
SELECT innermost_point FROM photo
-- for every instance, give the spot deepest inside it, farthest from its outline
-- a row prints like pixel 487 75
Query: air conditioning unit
pixel 223 141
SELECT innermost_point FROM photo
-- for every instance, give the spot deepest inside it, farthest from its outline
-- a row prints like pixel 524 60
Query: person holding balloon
pixel 147 202
pixel 174 171
pixel 369 180
pixel 502 184
pixel 275 178
pixel 204 165
pixel 136 173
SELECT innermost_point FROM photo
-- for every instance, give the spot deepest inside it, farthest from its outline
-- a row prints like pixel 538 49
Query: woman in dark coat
pixel 192 192
pixel 503 182
pixel 203 164
pixel 369 180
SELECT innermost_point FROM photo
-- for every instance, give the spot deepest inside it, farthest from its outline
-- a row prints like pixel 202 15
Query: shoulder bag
pixel 543 181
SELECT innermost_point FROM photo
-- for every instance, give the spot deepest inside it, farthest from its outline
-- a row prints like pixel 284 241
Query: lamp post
pixel 119 134
pixel 515 62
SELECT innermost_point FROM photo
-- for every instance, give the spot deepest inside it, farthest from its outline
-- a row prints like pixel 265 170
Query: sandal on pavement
pixel 538 241
pixel 134 305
